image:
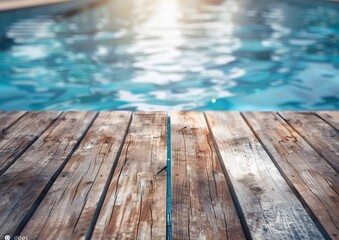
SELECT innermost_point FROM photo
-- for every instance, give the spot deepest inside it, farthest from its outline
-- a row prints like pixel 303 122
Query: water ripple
pixel 175 55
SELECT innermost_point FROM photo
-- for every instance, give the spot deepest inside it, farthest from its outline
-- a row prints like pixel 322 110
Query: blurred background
pixel 171 55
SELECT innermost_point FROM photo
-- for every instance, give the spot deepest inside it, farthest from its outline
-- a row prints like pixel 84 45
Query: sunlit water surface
pixel 175 55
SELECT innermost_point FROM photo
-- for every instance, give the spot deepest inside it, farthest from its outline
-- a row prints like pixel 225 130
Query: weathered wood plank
pixel 332 117
pixel 318 133
pixel 67 210
pixel 306 171
pixel 16 139
pixel 25 181
pixel 8 118
pixel 270 208
pixel 202 207
pixel 135 205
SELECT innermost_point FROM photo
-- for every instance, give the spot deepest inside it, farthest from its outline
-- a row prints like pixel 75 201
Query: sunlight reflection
pixel 157 41
pixel 165 14
pixel 166 42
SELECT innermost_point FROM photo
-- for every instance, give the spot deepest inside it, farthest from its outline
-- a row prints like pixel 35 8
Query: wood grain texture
pixel 135 204
pixel 23 183
pixel 332 117
pixel 67 210
pixel 307 172
pixel 61 180
pixel 318 133
pixel 270 208
pixel 8 118
pixel 19 136
pixel 202 207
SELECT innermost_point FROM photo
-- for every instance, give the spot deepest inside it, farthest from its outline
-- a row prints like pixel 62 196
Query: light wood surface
pixel 331 117
pixel 20 135
pixel 135 204
pixel 202 205
pixel 320 135
pixel 67 210
pixel 315 181
pixel 25 182
pixel 88 175
pixel 270 208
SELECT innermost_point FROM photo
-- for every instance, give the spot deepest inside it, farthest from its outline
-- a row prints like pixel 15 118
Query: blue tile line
pixel 169 184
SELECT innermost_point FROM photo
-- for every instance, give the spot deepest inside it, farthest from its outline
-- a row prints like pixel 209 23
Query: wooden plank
pixel 18 4
pixel 202 207
pixel 318 133
pixel 307 173
pixel 67 210
pixel 22 134
pixel 8 118
pixel 269 206
pixel 332 117
pixel 24 183
pixel 135 205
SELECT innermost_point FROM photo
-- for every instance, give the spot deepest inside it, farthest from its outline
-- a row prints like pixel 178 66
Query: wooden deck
pixel 88 175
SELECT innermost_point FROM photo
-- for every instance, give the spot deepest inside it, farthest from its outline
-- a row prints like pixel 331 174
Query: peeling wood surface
pixel 202 207
pixel 68 208
pixel 304 169
pixel 135 204
pixel 270 208
pixel 87 175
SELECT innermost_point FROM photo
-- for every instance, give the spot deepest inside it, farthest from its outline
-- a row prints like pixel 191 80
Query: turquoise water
pixel 174 55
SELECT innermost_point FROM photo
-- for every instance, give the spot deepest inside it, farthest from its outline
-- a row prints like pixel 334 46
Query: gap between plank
pixel 309 143
pixel 41 196
pixel 14 122
pixel 107 184
pixel 29 145
pixel 316 113
pixel 294 190
pixel 241 215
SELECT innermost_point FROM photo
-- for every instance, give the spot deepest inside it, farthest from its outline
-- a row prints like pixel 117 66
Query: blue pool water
pixel 174 55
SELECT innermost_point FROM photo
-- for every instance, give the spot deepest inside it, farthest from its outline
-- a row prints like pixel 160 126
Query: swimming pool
pixel 175 55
